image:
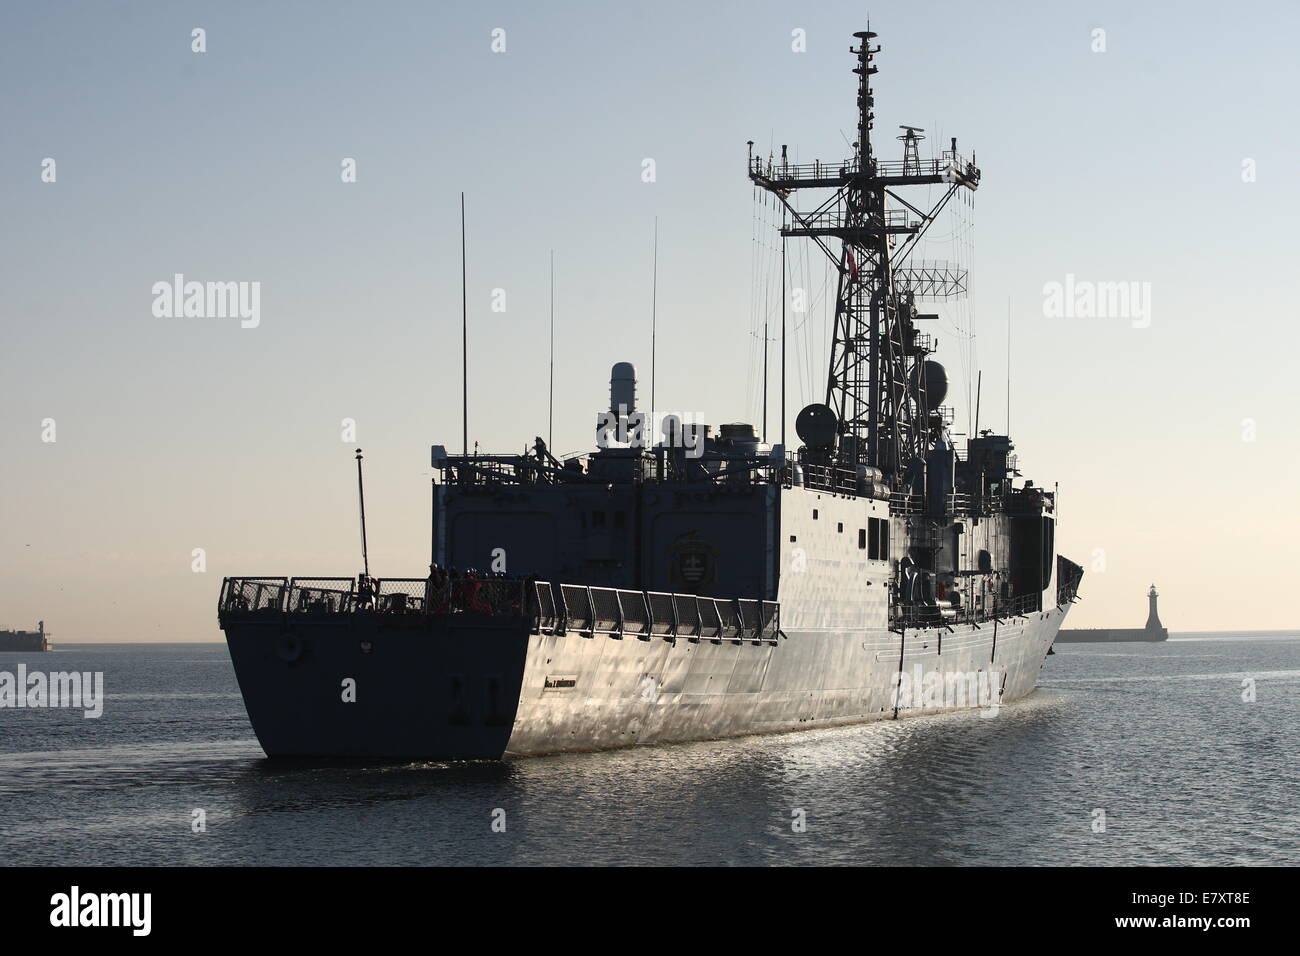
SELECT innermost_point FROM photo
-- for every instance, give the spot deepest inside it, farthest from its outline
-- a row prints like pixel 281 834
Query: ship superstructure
pixel 681 582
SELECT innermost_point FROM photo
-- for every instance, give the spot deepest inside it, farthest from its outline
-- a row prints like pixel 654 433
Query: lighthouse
pixel 1153 619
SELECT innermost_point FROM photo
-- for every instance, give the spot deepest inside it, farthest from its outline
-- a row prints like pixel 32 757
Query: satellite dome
pixel 935 378
pixel 816 425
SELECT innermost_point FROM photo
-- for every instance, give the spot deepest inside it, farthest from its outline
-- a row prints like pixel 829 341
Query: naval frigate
pixel 679 583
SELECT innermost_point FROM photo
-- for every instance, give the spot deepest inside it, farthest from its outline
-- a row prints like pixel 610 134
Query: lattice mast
pixel 876 386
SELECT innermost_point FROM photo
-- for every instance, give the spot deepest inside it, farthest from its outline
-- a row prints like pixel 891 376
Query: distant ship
pixel 28 641
pixel 680 583
pixel 1152 633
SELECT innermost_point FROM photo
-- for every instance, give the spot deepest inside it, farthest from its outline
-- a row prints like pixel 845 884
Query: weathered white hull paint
pixel 464 691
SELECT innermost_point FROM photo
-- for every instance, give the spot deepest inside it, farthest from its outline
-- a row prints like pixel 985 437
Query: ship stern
pixel 366 683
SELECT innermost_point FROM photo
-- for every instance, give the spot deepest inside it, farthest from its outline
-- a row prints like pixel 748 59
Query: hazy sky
pixel 1172 443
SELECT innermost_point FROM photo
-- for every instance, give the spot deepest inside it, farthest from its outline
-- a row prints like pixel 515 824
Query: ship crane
pixel 876 390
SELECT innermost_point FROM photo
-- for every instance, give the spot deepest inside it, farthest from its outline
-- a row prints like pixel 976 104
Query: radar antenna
pixel 911 149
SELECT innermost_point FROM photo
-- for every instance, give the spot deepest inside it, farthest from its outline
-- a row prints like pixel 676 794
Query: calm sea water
pixel 1156 736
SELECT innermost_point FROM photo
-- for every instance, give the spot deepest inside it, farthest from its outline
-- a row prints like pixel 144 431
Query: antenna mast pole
pixel 654 303
pixel 361 494
pixel 876 386
pixel 550 418
pixel 766 376
pixel 783 297
pixel 464 335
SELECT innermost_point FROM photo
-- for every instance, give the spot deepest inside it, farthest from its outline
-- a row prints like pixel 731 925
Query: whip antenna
pixel 464 335
pixel 550 420
pixel 361 494
pixel 654 314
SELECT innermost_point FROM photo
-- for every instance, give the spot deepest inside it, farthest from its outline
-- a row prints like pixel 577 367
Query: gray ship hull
pixel 486 689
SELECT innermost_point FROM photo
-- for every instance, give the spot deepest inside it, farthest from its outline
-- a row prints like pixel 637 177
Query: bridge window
pixel 862 537
pixel 840 527
pixel 814 514
pixel 598 519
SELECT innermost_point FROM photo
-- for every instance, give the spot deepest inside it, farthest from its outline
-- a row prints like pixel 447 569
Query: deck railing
pixel 948 166
pixel 943 613
pixel 553 608
pixel 646 614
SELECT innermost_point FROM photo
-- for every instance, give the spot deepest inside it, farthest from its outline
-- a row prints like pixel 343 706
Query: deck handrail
pixel 552 607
